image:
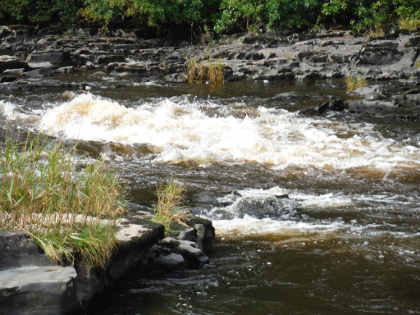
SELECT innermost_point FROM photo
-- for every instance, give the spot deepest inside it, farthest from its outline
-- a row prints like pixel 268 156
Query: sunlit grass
pixel 354 82
pixel 68 212
pixel 205 73
pixel 168 210
pixel 409 24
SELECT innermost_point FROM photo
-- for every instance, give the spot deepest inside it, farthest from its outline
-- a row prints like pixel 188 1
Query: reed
pixel 205 73
pixel 68 211
pixel 409 24
pixel 168 210
pixel 354 82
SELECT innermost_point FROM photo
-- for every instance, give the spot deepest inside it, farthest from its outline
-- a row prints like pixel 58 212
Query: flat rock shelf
pixel 31 284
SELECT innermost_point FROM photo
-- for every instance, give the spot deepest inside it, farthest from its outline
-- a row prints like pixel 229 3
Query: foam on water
pixel 249 225
pixel 184 131
pixel 10 111
pixel 286 223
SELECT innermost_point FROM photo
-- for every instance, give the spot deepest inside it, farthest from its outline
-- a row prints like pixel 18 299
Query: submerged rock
pixel 268 207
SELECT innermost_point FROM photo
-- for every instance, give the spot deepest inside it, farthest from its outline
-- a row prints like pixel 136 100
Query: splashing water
pixel 278 138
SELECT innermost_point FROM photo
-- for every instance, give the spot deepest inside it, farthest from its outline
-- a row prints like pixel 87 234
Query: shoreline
pixel 32 284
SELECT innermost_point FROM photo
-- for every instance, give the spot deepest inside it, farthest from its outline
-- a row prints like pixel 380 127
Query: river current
pixel 313 215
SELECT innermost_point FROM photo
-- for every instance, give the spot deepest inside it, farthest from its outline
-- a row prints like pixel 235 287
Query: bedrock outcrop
pixel 31 284
pixel 268 57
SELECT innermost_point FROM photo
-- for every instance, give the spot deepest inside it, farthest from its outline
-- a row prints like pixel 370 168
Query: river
pixel 313 214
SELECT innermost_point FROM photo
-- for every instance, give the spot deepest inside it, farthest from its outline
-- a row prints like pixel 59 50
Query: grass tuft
pixel 354 82
pixel 168 210
pixel 409 24
pixel 68 212
pixel 205 73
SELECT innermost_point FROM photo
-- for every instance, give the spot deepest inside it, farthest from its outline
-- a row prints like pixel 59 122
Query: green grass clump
pixel 354 82
pixel 168 210
pixel 409 24
pixel 68 212
pixel 418 64
pixel 211 73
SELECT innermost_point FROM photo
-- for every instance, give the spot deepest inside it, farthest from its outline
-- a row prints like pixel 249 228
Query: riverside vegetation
pixel 218 16
pixel 68 212
pixel 168 210
pixel 202 73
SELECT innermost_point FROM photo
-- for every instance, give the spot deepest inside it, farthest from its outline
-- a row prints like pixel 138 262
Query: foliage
pixel 238 14
pixel 41 12
pixel 168 210
pixel 363 15
pixel 42 193
pixel 409 24
pixel 221 16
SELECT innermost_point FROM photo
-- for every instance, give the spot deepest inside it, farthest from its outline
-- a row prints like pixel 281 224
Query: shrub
pixel 42 12
pixel 222 16
pixel 42 193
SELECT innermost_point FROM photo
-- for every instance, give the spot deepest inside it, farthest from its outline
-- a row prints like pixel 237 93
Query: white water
pixel 299 225
pixel 184 131
pixel 11 112
pixel 286 226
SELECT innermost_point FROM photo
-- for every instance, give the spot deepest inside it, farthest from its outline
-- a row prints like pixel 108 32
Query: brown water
pixel 349 242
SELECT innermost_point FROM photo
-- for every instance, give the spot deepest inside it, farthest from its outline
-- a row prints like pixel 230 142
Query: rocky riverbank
pixel 37 62
pixel 79 60
pixel 314 55
pixel 31 284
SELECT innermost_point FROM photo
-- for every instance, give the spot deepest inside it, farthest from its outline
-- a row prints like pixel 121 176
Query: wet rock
pixel 11 62
pixel 37 290
pixel 106 59
pixel 49 59
pixel 205 232
pixel 175 78
pixel 135 238
pixel 18 249
pixel 383 53
pixel 171 261
pixel 413 42
pixel 269 207
pixel 9 78
pixel 67 69
pixel 371 93
pixel 138 67
pixel 188 235
pixel 333 104
pixel 6 33
pixel 193 256
pixel 375 107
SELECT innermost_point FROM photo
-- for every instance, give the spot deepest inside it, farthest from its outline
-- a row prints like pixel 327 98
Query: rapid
pixel 314 214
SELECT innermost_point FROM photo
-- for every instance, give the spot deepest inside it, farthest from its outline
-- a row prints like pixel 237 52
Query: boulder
pixel 267 207
pixel 37 290
pixel 18 249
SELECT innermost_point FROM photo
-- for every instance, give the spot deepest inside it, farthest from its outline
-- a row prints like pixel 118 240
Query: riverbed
pixel 314 214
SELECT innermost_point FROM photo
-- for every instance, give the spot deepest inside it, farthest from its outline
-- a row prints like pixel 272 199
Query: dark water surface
pixel 350 244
